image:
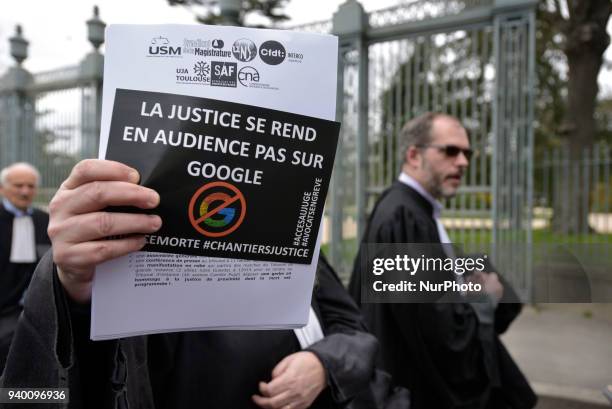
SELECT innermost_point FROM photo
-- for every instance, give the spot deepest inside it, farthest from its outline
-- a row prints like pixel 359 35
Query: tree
pixel 586 40
pixel 551 67
pixel 572 32
pixel 209 11
pixel 567 72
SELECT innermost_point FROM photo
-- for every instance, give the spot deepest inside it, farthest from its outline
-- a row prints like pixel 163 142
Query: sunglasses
pixel 451 151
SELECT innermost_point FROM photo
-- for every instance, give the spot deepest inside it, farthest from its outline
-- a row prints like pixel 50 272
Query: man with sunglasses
pixel 447 354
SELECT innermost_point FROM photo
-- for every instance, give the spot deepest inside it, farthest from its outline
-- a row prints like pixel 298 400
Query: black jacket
pixel 15 277
pixel 441 352
pixel 51 349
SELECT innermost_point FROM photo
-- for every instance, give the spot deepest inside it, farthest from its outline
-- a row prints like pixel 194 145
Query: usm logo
pixel 164 50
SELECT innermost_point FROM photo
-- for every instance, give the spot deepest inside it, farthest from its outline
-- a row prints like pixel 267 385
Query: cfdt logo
pixel 160 47
pixel 244 50
pixel 272 52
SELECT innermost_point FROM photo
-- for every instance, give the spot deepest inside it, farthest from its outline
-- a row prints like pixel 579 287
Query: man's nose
pixel 26 191
pixel 462 160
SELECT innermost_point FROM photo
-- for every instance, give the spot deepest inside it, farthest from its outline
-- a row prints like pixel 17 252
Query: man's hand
pixel 296 382
pixel 78 227
pixel 490 283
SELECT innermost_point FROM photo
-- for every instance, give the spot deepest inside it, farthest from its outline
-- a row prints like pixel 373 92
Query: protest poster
pixel 234 128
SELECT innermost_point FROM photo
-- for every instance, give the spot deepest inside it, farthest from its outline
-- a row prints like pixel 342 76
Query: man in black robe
pixel 23 240
pixel 447 354
pixel 206 369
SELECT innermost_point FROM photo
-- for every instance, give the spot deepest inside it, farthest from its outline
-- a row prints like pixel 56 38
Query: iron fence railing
pixel 473 59
pixel 573 194
pixel 419 10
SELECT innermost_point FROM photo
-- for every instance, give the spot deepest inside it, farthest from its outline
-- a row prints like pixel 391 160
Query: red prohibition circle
pixel 196 222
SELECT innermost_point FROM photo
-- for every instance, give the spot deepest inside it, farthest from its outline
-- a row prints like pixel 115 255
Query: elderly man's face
pixel 20 187
pixel 444 160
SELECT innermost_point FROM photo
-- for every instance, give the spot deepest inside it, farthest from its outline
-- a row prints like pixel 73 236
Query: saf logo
pixel 224 74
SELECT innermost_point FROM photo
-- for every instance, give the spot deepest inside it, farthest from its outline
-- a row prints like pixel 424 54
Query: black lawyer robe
pixel 15 277
pixel 439 351
pixel 205 369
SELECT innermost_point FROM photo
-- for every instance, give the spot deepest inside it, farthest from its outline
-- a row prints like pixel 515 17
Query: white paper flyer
pixel 234 127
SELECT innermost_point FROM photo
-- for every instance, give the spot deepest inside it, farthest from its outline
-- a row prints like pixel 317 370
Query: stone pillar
pixel 91 74
pixel 16 107
pixel 350 24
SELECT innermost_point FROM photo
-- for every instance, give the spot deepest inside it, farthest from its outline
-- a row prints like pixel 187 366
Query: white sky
pixel 57 32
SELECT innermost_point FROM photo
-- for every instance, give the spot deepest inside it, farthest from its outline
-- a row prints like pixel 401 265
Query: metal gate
pixel 472 59
pixel 51 119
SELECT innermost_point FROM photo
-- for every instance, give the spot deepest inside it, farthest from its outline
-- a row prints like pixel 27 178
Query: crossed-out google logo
pixel 217 209
pixel 228 213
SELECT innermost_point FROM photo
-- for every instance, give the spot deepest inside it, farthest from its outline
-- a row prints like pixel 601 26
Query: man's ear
pixel 413 157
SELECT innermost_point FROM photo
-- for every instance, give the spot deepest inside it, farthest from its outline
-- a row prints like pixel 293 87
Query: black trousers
pixel 8 322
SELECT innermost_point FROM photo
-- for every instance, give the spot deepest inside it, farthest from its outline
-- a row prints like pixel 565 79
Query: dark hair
pixel 417 131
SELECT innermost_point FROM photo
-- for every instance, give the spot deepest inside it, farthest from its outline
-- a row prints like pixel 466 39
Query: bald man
pixel 23 241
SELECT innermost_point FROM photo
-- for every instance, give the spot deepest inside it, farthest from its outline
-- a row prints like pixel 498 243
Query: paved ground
pixel 566 352
pixel 554 403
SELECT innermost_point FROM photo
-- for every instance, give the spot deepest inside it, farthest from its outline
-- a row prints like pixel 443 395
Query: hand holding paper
pixel 78 226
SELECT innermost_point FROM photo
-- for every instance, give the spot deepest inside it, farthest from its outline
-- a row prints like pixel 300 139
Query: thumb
pixel 281 366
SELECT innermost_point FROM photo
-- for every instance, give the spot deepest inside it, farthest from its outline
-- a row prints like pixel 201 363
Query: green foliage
pixel 603 118
pixel 552 75
pixel 551 72
pixel 601 197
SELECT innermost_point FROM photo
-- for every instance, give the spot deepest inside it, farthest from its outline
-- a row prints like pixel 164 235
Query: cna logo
pixel 247 76
pixel 160 47
pixel 244 50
